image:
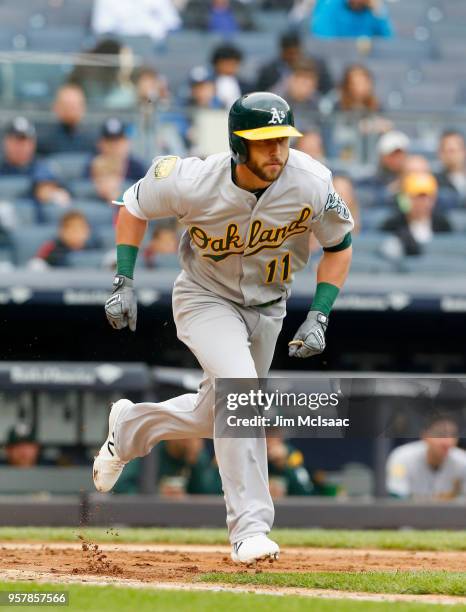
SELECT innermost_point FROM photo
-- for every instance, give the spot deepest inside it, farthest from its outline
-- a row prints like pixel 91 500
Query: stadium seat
pixel 168 261
pixel 443 72
pixel 96 212
pixel 90 259
pixel 83 189
pixel 38 82
pixel 69 166
pixel 369 263
pixel 107 236
pixel 373 218
pixel 270 21
pixel 458 219
pixel 448 244
pixel 26 211
pixel 408 50
pixel 28 240
pixel 14 186
pixel 369 242
pixel 143 46
pixel 68 12
pixel 6 254
pixel 454 11
pixel 431 264
pixel 452 49
pixel 64 39
pixel 346 48
pixel 429 96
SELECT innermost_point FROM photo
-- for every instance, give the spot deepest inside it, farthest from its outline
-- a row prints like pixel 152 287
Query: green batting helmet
pixel 258 116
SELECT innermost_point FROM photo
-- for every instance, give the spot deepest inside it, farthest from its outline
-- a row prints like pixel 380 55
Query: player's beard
pixel 265 172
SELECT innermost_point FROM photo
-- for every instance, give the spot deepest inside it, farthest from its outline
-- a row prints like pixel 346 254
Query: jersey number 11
pixel 273 265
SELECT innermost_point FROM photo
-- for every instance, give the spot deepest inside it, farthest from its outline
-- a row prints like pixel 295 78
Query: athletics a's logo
pixel 277 116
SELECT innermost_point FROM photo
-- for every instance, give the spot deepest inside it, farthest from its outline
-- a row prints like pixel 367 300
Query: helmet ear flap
pixel 239 149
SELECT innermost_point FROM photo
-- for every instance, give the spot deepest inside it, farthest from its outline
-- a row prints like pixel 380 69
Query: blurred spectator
pixel 19 149
pixel 74 234
pixel 226 61
pixel 221 19
pixel 350 19
pixel 164 241
pixel 186 467
pixel 300 90
pixel 345 188
pixel 417 220
pixel 291 52
pixel 115 144
pixel 287 474
pixel 108 175
pixel 452 154
pixel 47 190
pixel 415 163
pixel 22 448
pixel 154 18
pixel 68 134
pixel 357 91
pixel 202 89
pixel 109 83
pixel 432 468
pixel 151 86
pixel 311 143
pixel 392 150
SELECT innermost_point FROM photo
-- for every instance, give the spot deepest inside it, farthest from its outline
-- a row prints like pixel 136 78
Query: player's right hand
pixel 121 307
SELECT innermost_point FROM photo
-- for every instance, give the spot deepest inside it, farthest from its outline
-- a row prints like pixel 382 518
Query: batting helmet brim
pixel 269 132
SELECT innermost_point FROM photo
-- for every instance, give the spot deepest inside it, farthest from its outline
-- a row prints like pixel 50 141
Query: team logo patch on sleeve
pixel 334 202
pixel 164 166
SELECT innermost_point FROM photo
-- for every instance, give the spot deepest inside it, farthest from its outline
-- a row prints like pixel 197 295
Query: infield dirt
pixel 165 563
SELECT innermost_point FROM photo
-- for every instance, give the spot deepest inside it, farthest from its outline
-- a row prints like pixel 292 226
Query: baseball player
pixel 248 214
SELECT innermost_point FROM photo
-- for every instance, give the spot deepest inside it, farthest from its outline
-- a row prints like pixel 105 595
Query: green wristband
pixel 126 259
pixel 324 297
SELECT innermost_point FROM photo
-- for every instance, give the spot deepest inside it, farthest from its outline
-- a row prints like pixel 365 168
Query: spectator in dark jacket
pixel 350 19
pixel 115 143
pixel 273 73
pixel 68 135
pixel 300 90
pixel 226 61
pixel 202 89
pixel 47 190
pixel 74 234
pixel 19 149
pixel 452 154
pixel 417 221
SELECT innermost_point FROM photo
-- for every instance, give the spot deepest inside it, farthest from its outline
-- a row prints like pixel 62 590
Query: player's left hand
pixel 309 340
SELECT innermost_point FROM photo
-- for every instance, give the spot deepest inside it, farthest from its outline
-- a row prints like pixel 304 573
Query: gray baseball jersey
pixel 409 474
pixel 243 249
pixel 237 252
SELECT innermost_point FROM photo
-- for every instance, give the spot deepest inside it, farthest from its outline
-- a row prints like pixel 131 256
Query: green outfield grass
pixel 111 599
pixel 321 538
pixel 399 582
